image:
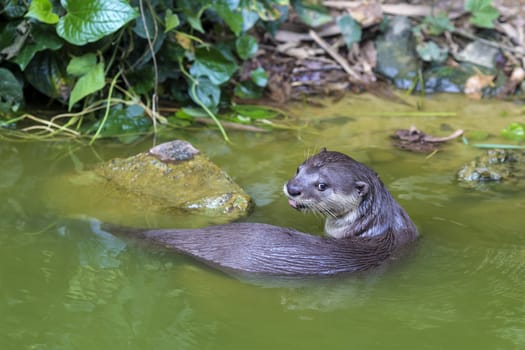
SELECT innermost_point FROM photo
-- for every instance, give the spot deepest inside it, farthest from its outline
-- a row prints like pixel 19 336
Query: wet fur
pixel 365 225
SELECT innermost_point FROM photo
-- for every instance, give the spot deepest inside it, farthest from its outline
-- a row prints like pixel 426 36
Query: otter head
pixel 329 183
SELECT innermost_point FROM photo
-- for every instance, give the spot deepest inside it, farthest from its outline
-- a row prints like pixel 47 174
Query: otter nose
pixel 293 190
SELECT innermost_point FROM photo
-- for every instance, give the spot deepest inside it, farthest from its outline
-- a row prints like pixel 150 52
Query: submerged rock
pixel 495 165
pixel 170 179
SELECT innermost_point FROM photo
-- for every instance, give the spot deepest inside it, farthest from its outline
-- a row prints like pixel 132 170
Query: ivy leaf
pixel 43 39
pixel 124 123
pixel 42 10
pixel 247 89
pixel 430 52
pixel 483 13
pixel 13 9
pixel 12 96
pixel 232 17
pixel 192 13
pixel 249 18
pixel 91 78
pixel 47 73
pixel 259 77
pixel 246 46
pixel 90 20
pixel 313 16
pixel 171 21
pixel 437 25
pixel 231 4
pixel 82 65
pixel 350 29
pixel 205 92
pixel 212 64
pixel 195 23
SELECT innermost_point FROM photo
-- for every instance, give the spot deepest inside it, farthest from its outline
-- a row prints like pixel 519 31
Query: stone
pixel 396 54
pixel 171 180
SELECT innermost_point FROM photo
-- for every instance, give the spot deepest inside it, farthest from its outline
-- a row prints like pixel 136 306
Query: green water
pixel 66 285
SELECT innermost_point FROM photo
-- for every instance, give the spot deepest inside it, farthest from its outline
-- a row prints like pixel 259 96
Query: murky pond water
pixel 66 285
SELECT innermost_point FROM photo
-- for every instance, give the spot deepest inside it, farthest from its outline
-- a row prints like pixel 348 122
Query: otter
pixel 365 226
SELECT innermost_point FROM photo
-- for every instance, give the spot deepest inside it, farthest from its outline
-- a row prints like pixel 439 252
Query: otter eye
pixel 322 186
pixel 297 171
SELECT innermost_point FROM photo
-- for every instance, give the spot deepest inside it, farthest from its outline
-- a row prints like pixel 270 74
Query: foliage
pixel 12 96
pixel 430 52
pixel 311 14
pixel 515 131
pixel 483 13
pixel 105 56
pixel 350 29
pixel 437 25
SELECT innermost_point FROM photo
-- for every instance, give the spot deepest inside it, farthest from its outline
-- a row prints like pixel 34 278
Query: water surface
pixel 64 284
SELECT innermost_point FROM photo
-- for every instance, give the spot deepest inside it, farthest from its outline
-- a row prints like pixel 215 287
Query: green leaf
pixel 212 64
pixel 193 13
pixel 124 123
pixel 82 65
pixel 88 83
pixel 42 10
pixel 90 20
pixel 254 111
pixel 430 52
pixel 191 112
pixel 205 92
pixel 259 77
pixel 515 131
pixel 350 29
pixel 195 23
pixel 171 21
pixel 44 38
pixel 142 80
pixel 437 25
pixel 47 73
pixel 247 89
pixel 12 96
pixel 483 13
pixel 231 4
pixel 13 8
pixel 313 16
pixel 249 18
pixel 246 46
pixel 233 18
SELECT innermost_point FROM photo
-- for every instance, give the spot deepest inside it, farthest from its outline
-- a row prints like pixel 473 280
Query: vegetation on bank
pixel 108 61
pixel 104 63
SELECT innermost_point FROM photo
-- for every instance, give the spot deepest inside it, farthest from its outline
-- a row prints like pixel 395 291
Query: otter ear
pixel 323 150
pixel 362 188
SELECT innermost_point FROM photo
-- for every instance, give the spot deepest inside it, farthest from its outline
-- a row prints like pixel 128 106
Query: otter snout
pixel 292 190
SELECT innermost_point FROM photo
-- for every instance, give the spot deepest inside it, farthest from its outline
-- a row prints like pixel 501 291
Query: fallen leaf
pixel 476 83
pixel 367 13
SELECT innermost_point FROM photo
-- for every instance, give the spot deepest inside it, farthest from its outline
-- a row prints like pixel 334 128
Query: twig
pixel 455 134
pixel 344 64
pixel 518 50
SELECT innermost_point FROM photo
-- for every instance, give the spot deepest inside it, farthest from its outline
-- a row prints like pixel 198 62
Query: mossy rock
pixel 497 165
pixel 171 182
